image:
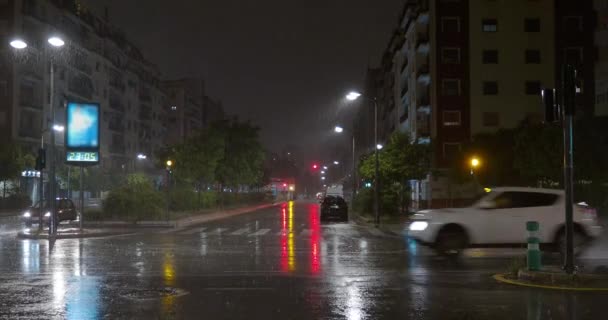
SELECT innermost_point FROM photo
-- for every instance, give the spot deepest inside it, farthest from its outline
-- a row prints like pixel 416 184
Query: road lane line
pixel 193 231
pixel 260 232
pixel 239 232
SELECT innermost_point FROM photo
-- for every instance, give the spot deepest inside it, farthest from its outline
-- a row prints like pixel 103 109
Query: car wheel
pixel 451 242
pixel 579 240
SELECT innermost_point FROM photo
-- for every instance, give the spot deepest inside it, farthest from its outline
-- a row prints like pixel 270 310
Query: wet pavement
pixel 275 263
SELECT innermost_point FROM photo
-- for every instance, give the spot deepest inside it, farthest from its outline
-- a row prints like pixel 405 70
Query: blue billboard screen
pixel 82 126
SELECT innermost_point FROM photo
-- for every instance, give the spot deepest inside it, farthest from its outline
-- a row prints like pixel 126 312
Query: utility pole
pixel 569 102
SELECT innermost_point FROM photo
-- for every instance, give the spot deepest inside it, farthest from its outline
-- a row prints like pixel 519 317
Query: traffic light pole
pixel 568 98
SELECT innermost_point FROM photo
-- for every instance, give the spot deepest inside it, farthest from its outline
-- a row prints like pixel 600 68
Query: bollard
pixel 534 254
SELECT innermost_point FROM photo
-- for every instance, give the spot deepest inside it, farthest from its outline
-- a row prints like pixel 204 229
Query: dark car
pixel 66 211
pixel 334 208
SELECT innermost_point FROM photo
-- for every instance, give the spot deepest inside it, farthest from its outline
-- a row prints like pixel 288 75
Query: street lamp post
pixel 339 129
pixel 55 42
pixel 352 96
pixel 169 165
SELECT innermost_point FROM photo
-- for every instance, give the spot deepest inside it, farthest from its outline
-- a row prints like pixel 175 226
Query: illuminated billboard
pixel 82 133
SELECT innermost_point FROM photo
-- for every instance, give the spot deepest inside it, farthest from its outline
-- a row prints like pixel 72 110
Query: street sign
pixel 82 133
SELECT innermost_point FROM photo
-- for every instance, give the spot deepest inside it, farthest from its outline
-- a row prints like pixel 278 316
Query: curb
pixel 500 277
pixel 23 236
pixel 175 224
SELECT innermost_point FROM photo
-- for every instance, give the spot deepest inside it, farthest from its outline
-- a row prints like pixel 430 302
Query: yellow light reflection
pixel 291 259
pixel 168 301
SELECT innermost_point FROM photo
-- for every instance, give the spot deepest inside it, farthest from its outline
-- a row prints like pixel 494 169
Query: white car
pixel 499 218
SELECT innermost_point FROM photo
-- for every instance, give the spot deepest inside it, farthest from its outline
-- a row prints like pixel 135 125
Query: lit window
pixel 489 25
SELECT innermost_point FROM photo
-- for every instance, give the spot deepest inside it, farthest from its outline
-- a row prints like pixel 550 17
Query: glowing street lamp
pixel 336 162
pixel 56 42
pixel 353 95
pixel 141 156
pixel 475 163
pixel 169 163
pixel 338 129
pixel 18 44
pixel 379 146
pixel 58 128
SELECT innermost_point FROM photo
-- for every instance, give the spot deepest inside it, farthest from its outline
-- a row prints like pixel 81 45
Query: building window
pixel 450 55
pixel 490 56
pixel 450 87
pixel 532 56
pixel 451 118
pixel 533 87
pixel 451 150
pixel 532 25
pixel 450 24
pixel 490 88
pixel 491 119
pixel 573 24
pixel 489 25
pixel 573 55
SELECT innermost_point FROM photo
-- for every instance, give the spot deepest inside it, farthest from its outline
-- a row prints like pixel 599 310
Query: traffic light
pixel 41 159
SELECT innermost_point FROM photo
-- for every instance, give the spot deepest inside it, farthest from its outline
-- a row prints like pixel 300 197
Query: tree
pixel 13 160
pixel 399 162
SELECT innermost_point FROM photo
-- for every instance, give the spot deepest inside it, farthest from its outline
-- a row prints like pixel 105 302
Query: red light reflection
pixel 315 237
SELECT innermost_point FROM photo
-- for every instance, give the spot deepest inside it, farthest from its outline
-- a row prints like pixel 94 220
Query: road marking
pixel 260 232
pixel 376 232
pixel 192 231
pixel 218 230
pixel 239 232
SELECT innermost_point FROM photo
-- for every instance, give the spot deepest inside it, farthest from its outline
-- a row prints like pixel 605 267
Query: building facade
pixel 458 68
pixel 97 64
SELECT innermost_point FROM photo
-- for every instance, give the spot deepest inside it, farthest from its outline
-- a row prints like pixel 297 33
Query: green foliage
pixel 13 160
pixel 183 199
pixel 364 201
pixel 135 200
pixel 399 162
pixel 227 153
pixel 15 202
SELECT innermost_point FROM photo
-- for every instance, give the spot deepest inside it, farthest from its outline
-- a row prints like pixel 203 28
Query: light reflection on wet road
pixel 275 263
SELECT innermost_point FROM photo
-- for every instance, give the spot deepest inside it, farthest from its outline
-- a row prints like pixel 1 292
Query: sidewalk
pixel 397 226
pixel 175 224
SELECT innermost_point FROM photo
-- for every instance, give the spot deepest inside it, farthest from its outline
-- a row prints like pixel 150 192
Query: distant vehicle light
pixel 48 214
pixel 419 225
pixel 27 214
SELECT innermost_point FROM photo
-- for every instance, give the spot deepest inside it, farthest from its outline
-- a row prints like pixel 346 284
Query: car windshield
pixel 311 159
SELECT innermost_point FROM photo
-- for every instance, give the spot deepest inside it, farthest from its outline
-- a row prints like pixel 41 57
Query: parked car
pixel 499 218
pixel 66 211
pixel 334 207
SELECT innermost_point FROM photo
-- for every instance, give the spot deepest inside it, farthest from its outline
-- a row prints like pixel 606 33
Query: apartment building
pixel 458 68
pixel 97 64
pixel 601 65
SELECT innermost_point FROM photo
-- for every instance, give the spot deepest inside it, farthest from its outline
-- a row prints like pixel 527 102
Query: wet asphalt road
pixel 276 263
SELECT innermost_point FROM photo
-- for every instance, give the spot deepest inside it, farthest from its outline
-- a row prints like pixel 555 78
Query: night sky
pixel 283 64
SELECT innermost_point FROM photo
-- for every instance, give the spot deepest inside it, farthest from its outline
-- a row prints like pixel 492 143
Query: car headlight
pixel 419 225
pixel 48 214
pixel 27 214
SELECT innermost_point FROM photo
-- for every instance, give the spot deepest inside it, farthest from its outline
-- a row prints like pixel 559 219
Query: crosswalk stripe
pixel 260 232
pixel 193 231
pixel 376 232
pixel 239 232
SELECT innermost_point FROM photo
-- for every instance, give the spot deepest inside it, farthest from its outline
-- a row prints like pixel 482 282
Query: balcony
pixel 117 105
pixel 404 90
pixel 81 85
pixel 145 113
pixel 116 125
pixel 118 148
